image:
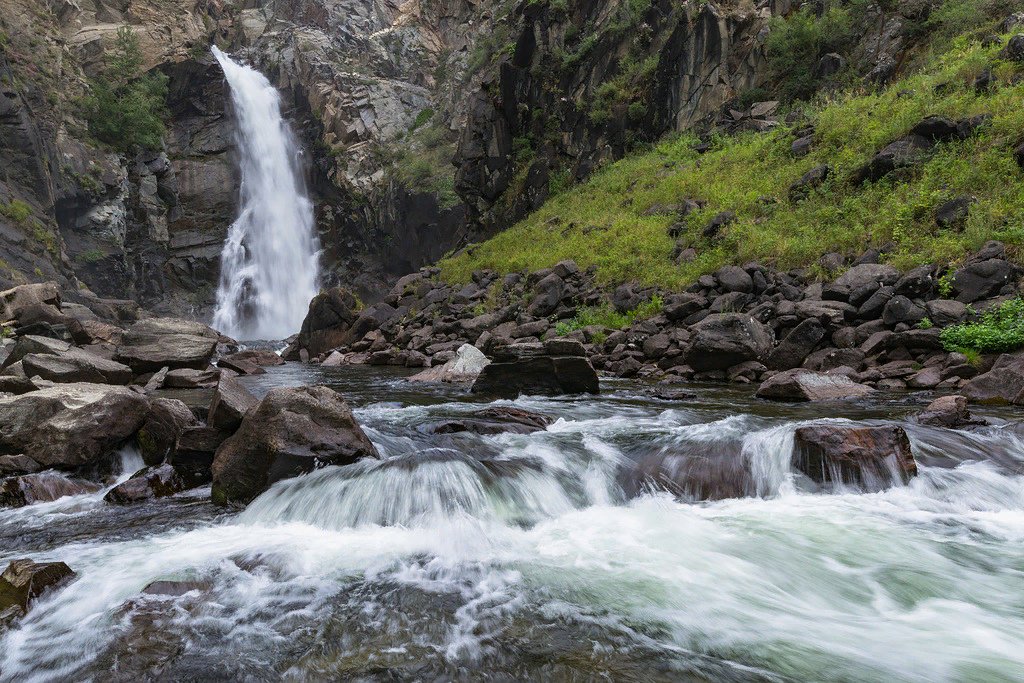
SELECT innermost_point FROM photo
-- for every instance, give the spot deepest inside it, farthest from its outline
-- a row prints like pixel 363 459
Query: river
pixel 534 556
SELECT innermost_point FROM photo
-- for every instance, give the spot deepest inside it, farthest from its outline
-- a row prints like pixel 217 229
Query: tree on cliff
pixel 125 107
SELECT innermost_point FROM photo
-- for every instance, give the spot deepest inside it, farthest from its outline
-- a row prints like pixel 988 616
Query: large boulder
pixel 14 301
pixel 194 451
pixel 464 368
pixel 557 368
pixel 34 344
pixel 230 403
pixel 1004 383
pixel 903 153
pixel 859 282
pixel 807 385
pixel 950 412
pixel 871 457
pixel 76 365
pixel 155 343
pixel 69 425
pixel 152 482
pixel 723 340
pixel 796 346
pixel 43 487
pixel 292 431
pixel 24 581
pixel 167 419
pixel 326 325
pixel 982 279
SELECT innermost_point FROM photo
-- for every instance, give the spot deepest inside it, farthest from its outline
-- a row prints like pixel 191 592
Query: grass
pixel 17 210
pixel 602 223
pixel 1000 330
pixel 606 316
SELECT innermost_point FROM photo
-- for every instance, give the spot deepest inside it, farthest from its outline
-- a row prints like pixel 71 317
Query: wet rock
pixel 166 421
pixel 796 346
pixel 24 581
pixel 69 425
pixel 150 483
pixel 495 420
pixel 871 457
pixel 715 473
pixel 290 432
pixel 538 375
pixel 1004 383
pixel 806 385
pixel 725 339
pixel 327 323
pixel 230 403
pixel 193 454
pixel 152 344
pixel 949 411
pixel 43 487
pixel 76 365
pixel 240 366
pixel 464 368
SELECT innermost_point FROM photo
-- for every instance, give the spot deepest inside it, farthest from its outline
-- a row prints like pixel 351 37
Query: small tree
pixel 126 107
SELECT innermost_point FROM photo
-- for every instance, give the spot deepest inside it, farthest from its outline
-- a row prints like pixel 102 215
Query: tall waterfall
pixel 269 264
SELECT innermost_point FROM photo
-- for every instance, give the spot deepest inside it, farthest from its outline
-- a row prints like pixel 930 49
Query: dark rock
pixel 290 432
pixel 918 283
pixel 564 347
pixel 626 298
pixel 805 385
pixel 14 301
pixel 1018 155
pixel 495 420
pixel 950 412
pixel 230 403
pixel 903 153
pixel 69 425
pixel 34 344
pixel 937 128
pixel 150 483
pixel 547 295
pixel 193 454
pixel 796 346
pixel 18 464
pixel 952 215
pixel 734 279
pixel 859 282
pixel 900 309
pixel 808 182
pixel 1004 383
pixel 43 487
pixel 544 375
pixel 327 323
pixel 24 581
pixel 943 312
pixel 656 346
pixel 1014 50
pixel 746 372
pixel 829 65
pixel 152 344
pixel 726 339
pixel 875 304
pixel 871 457
pixel 692 474
pixel 166 420
pixel 801 147
pixel 719 221
pixel 982 279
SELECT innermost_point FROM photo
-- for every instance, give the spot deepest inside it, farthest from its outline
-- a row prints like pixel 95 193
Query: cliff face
pixel 426 124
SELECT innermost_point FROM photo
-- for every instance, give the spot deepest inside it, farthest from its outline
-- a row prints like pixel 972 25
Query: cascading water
pixel 269 264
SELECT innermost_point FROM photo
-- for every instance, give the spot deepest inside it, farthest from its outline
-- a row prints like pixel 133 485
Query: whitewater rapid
pixel 520 555
pixel 270 259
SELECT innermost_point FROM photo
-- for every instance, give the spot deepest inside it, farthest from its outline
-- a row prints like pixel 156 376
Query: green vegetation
pixel 91 256
pixel 17 210
pixel 1000 329
pixel 606 316
pixel 425 162
pixel 126 108
pixel 603 222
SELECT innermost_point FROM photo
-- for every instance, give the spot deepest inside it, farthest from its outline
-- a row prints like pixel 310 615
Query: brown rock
pixel 872 457
pixel 152 482
pixel 807 385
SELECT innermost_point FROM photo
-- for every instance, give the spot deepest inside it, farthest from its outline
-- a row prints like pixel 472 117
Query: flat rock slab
pixel 541 375
pixel 155 343
pixel 495 420
pixel 807 385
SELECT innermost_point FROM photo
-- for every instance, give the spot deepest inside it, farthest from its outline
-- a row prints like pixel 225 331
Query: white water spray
pixel 269 265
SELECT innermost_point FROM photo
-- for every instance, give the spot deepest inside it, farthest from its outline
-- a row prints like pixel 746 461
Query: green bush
pixel 795 45
pixel 606 316
pixel 1001 329
pixel 17 210
pixel 126 107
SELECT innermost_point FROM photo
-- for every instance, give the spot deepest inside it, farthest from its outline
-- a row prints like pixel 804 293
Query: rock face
pixel 44 487
pixel 70 425
pixel 152 482
pixel 464 368
pixel 292 431
pixel 495 420
pixel 723 340
pixel 25 581
pixel 870 457
pixel 156 343
pixel 538 369
pixel 806 385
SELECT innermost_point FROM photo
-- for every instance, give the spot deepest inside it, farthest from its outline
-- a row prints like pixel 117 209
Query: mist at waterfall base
pixel 269 263
pixel 526 557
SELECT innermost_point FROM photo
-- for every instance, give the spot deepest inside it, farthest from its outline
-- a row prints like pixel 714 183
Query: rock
pixel 805 385
pixel 86 332
pixel 808 182
pixel 464 368
pixel 900 309
pixel 152 482
pixel 625 298
pixel 240 366
pixel 802 146
pixel 76 365
pixel 327 323
pixel 917 283
pixel 539 375
pixel 874 305
pixel 1018 155
pixel 943 312
pixel 829 65
pixel 290 432
pixel 166 421
pixel 264 358
pixel 547 294
pixel 1014 50
pixel 18 464
pixel 34 344
pixel 25 581
pixel 722 340
pixel 937 128
pixel 926 378
pixel 1004 383
pixel 16 384
pixel 14 301
pixel 564 347
pixel 950 412
pixel 186 378
pixel 734 279
pixel 193 453
pixel 871 457
pixel 152 344
pixel 719 221
pixel 952 215
pixel 230 403
pixel 982 279
pixel 706 474
pixel 859 282
pixel 43 487
pixel 796 346
pixel 746 372
pixel 903 153
pixel 69 425
pixel 495 420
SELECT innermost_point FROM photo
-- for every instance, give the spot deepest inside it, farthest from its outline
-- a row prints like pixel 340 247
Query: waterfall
pixel 269 264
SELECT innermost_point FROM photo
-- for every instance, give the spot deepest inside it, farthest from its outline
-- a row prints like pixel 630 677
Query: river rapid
pixel 543 556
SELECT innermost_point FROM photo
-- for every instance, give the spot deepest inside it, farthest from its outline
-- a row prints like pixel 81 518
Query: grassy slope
pixel 601 222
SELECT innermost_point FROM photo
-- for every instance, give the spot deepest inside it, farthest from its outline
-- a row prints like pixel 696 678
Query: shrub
pixel 795 46
pixel 1001 329
pixel 606 316
pixel 126 107
pixel 17 210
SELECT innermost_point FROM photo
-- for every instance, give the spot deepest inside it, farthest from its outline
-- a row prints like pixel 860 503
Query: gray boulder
pixel 723 340
pixel 859 282
pixel 150 483
pixel 796 346
pixel 950 412
pixel 152 344
pixel 231 401
pixel 76 365
pixel 1004 383
pixel 464 368
pixel 806 385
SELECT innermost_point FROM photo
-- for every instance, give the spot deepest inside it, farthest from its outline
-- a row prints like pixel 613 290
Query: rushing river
pixel 538 556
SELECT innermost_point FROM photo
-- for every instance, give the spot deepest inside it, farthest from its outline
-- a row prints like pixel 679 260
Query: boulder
pixel 1014 50
pixel 240 366
pixel 547 294
pixel 326 325
pixel 949 411
pixel 538 375
pixel 859 282
pixel 495 420
pixel 152 482
pixel 703 473
pixel 69 425
pixel 264 358
pixel 43 487
pixel 167 419
pixel 734 279
pixel 953 214
pixel 193 453
pixel 149 345
pixel 290 432
pixel 982 279
pixel 719 221
pixel 34 344
pixel 25 581
pixel 464 368
pixel 903 153
pixel 76 365
pixel 231 401
pixel 187 378
pixel 18 464
pixel 1004 383
pixel 871 457
pixel 13 301
pixel 944 312
pixel 722 340
pixel 796 346
pixel 806 385
pixel 900 309
pixel 808 182
pixel 87 332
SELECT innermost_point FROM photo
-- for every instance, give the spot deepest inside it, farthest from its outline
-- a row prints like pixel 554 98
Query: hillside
pixel 648 218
